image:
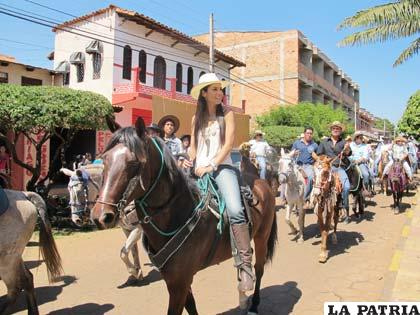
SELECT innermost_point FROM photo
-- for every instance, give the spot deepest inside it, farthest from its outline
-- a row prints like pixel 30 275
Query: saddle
pixel 4 201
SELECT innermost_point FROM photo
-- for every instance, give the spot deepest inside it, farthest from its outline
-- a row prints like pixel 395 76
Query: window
pixel 30 81
pixel 97 65
pixel 190 79
pixel 66 78
pixel 159 78
pixel 127 63
pixel 179 77
pixel 80 68
pixel 4 77
pixel 142 66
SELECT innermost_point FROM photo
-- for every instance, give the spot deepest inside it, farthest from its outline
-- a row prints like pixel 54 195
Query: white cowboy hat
pixel 206 80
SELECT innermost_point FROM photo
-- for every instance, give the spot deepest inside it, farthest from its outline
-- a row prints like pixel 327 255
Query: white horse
pixel 17 225
pixel 290 175
pixel 83 191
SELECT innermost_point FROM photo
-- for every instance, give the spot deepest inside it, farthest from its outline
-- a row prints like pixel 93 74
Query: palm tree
pixel 389 21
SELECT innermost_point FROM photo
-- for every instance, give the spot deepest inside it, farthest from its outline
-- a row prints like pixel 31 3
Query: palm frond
pixel 382 14
pixel 409 52
pixel 402 28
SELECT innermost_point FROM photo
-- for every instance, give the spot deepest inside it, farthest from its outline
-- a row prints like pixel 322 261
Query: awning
pixel 94 46
pixel 77 58
pixel 63 67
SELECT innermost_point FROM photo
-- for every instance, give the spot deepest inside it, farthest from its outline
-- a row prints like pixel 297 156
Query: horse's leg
pixel 324 234
pixel 28 286
pixel 132 238
pixel 289 208
pixel 178 292
pixel 301 221
pixel 12 281
pixel 335 218
pixel 260 260
pixel 190 305
pixel 361 204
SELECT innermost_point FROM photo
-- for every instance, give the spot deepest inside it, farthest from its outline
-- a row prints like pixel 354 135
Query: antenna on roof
pixel 211 41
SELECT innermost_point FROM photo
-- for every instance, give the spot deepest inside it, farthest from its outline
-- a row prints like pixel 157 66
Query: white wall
pixel 66 43
pixel 17 71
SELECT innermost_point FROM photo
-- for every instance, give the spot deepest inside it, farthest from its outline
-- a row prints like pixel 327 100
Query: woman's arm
pixel 192 150
pixel 229 139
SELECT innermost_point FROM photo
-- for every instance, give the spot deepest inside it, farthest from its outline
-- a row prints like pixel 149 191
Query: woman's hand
pixel 201 171
pixel 186 163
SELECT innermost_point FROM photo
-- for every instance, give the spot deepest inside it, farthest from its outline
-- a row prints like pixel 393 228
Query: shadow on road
pixel 276 299
pixel 31 264
pixel 87 308
pixel 346 240
pixel 43 295
pixel 151 277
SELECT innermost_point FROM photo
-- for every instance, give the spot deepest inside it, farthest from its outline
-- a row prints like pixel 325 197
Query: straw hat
pixel 172 118
pixel 349 138
pixel 358 134
pixel 206 80
pixel 400 138
pixel 259 133
pixel 337 124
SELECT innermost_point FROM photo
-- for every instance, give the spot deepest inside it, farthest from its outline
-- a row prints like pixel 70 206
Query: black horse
pixel 356 190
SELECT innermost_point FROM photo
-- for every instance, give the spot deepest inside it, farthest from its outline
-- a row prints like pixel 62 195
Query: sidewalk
pixel 404 271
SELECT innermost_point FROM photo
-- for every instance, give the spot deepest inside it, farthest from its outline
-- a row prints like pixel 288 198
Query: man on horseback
pixel 170 125
pixel 360 156
pixel 260 147
pixel 212 138
pixel 304 148
pixel 336 147
pixel 399 152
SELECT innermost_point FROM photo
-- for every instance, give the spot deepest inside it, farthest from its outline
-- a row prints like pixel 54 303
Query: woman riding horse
pixel 212 137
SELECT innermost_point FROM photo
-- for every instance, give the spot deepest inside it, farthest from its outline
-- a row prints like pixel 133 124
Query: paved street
pixel 362 267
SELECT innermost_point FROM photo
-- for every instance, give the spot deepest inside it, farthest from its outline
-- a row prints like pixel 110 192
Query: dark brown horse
pixel 397 181
pixel 141 168
pixel 325 194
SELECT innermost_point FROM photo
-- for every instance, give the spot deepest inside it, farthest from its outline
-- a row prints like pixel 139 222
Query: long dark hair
pixel 202 117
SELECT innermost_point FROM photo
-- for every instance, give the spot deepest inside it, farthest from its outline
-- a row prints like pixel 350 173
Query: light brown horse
pixel 17 225
pixel 324 197
pixel 141 168
pixel 381 166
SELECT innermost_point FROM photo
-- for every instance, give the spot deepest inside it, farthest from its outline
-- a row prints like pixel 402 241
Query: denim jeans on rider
pixel 346 185
pixel 227 180
pixel 309 170
pixel 263 166
pixel 366 174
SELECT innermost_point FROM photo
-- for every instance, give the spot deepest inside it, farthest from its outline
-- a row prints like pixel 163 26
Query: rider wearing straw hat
pixel 360 156
pixel 399 152
pixel 260 148
pixel 335 146
pixel 212 138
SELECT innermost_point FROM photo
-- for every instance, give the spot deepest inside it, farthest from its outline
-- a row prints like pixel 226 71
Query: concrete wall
pixel 17 71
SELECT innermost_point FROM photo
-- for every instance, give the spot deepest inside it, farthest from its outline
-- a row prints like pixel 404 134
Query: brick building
pixel 288 66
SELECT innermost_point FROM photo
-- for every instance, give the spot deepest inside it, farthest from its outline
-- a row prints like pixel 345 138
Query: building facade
pixel 288 67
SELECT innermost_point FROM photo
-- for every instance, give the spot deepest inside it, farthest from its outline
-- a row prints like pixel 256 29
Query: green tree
pixel 38 113
pixel 410 121
pixel 317 116
pixel 385 22
pixel 379 124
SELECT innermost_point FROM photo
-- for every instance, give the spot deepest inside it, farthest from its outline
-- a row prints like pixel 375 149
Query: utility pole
pixel 384 128
pixel 211 41
pixel 355 116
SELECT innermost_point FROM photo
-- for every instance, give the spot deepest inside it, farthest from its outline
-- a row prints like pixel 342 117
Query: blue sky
pixel 384 90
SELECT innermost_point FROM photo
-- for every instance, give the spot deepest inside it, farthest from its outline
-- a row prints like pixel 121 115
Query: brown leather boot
pixel 243 244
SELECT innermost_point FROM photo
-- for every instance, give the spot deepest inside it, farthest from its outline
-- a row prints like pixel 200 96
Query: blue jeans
pixel 309 170
pixel 263 166
pixel 346 185
pixel 227 180
pixel 376 165
pixel 366 174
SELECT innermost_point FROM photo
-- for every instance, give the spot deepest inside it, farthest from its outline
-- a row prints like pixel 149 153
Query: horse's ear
pixel 112 124
pixel 140 127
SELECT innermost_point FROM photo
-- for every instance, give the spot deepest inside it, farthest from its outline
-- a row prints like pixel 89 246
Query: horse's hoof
pixel 243 300
pixel 300 240
pixel 322 259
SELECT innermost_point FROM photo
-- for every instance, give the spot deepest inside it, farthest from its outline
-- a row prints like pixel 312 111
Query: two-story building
pixel 130 59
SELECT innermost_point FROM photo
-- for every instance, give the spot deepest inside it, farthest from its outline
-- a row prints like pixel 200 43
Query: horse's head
pixel 125 159
pixel 245 149
pixel 286 165
pixel 323 171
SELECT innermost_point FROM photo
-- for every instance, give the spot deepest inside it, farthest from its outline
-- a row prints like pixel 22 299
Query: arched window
pixel 80 72
pixel 159 78
pixel 127 63
pixel 179 77
pixel 190 79
pixel 201 73
pixel 97 64
pixel 142 66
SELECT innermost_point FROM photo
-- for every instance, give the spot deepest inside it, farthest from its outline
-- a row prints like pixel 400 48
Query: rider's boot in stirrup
pixel 243 245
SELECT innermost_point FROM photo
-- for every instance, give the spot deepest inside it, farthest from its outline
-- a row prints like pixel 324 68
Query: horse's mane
pixel 128 137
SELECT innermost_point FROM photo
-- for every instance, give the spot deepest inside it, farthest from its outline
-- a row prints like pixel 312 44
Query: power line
pixel 46 23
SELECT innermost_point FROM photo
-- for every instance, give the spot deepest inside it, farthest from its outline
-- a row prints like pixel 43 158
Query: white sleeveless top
pixel 209 145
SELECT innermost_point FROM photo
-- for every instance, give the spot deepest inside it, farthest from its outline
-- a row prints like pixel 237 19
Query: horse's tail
pixel 272 240
pixel 47 244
